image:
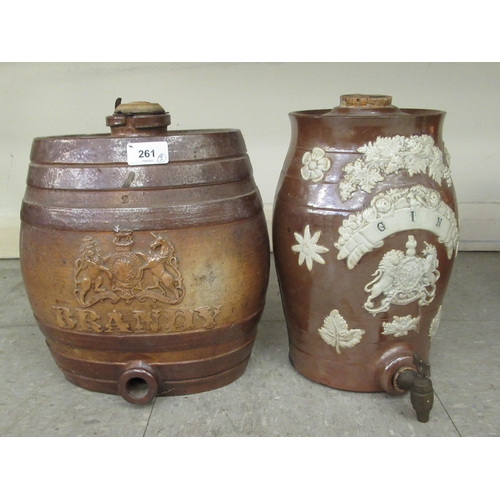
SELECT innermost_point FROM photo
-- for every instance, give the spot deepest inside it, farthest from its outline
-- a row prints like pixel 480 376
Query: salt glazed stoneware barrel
pixel 145 255
pixel 365 233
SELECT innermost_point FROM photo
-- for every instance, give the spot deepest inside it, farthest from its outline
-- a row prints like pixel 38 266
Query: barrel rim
pixel 170 133
pixel 320 113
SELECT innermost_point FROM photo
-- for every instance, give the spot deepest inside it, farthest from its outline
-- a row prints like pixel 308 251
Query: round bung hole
pixel 137 387
pixel 138 384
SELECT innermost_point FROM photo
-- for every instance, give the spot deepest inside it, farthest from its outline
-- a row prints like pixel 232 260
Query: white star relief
pixel 308 249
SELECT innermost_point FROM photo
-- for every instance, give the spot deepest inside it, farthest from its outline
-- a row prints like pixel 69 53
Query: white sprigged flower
pixel 316 163
pixel 308 249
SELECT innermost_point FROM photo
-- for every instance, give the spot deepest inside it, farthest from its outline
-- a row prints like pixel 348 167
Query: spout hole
pixel 137 387
pixel 138 384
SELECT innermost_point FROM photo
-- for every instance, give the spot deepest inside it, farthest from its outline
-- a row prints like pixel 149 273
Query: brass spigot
pixel 420 386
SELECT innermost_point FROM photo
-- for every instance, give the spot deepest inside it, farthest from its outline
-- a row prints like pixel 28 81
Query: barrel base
pixel 355 378
pixel 165 387
pixel 374 373
pixel 141 367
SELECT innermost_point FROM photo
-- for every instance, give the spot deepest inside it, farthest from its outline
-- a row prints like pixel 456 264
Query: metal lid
pixel 138 108
pixel 138 118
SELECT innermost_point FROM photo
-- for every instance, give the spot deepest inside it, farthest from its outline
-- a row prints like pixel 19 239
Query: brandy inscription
pixel 137 321
pixel 127 276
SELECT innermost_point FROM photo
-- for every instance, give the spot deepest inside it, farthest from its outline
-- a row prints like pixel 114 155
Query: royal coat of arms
pixel 404 278
pixel 126 275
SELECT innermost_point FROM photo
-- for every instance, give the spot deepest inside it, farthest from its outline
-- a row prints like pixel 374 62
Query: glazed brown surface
pixel 155 273
pixel 340 283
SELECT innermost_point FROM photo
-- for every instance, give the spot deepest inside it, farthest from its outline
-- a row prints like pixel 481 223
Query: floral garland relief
pixel 390 155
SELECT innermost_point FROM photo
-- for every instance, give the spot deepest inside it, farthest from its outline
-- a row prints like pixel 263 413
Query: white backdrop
pixel 42 99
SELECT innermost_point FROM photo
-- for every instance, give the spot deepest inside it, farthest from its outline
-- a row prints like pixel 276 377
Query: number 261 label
pixel 147 153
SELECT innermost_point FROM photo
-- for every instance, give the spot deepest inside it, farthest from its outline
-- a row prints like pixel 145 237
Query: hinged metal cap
pixel 138 108
pixel 138 118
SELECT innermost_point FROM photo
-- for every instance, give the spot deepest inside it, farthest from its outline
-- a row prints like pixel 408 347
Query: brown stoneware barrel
pixel 145 255
pixel 365 232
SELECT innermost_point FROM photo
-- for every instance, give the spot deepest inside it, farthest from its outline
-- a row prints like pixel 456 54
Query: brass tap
pixel 419 384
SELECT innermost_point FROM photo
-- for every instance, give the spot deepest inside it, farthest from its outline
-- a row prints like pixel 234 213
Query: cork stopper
pixel 365 101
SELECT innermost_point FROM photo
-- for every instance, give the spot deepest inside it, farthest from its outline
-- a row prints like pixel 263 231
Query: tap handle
pixel 423 368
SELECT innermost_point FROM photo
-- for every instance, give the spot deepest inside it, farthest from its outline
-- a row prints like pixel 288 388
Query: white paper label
pixel 147 153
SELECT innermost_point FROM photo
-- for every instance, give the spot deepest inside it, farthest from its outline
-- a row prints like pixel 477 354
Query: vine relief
pixel 389 155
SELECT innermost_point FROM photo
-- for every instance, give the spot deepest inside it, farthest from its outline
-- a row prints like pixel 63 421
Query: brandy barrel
pixel 150 273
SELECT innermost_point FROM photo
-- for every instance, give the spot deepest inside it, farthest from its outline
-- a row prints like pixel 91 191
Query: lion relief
pixel 403 278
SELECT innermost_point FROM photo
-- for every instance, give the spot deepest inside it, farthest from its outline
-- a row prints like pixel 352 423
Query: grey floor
pixel 271 398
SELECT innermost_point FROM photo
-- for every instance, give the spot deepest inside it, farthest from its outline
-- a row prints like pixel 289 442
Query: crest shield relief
pixel 127 274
